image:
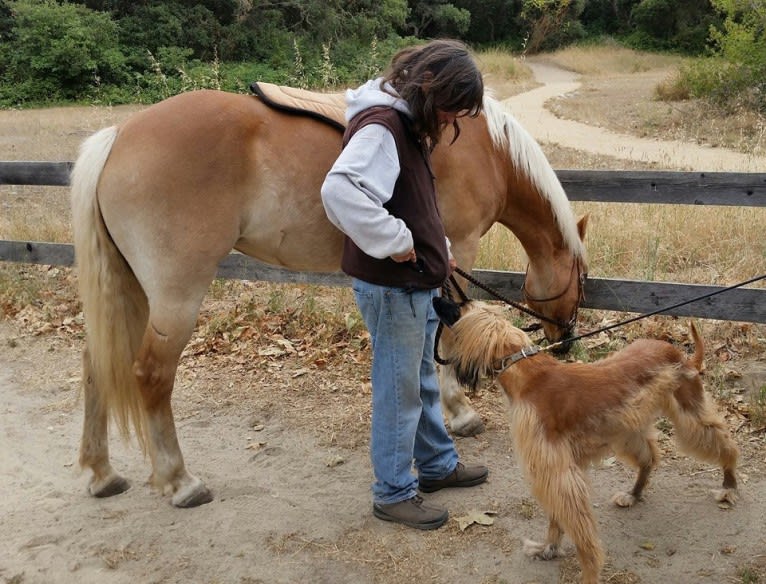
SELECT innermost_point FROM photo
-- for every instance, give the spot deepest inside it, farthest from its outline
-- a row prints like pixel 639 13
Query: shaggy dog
pixel 565 415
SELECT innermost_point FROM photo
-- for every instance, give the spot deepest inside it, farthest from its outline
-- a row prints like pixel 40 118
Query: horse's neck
pixel 529 216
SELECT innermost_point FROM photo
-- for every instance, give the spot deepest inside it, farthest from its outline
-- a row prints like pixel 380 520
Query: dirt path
pixel 529 109
pixel 287 512
pixel 292 503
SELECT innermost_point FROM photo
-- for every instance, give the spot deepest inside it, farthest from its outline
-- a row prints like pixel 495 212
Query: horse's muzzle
pixel 565 343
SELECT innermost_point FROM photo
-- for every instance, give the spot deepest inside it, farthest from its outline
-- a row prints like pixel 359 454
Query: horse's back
pixel 198 174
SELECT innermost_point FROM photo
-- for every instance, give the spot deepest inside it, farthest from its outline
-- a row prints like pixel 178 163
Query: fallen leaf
pixel 335 460
pixel 478 517
pixel 271 352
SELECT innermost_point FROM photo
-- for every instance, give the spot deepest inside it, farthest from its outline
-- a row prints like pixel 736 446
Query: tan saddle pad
pixel 327 107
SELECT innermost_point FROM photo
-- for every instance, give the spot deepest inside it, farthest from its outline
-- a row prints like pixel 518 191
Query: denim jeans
pixel 407 420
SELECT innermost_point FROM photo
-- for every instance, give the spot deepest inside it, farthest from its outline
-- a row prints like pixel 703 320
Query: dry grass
pixel 610 59
pixel 504 73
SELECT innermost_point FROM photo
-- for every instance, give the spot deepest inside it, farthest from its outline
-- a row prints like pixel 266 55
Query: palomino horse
pixel 159 200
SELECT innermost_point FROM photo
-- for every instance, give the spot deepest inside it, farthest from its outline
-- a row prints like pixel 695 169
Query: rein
pixel 533 350
pixel 658 311
pixel 521 307
pixel 452 284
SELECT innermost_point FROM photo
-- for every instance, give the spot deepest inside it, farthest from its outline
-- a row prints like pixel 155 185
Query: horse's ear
pixel 448 311
pixel 581 225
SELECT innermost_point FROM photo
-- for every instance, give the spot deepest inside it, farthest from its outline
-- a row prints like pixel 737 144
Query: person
pixel 380 193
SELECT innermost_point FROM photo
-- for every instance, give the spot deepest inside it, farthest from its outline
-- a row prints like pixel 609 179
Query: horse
pixel 160 199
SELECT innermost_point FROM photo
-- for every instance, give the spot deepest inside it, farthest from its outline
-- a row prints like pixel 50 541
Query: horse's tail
pixel 114 304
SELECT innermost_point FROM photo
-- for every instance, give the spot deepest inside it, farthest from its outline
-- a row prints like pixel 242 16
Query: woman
pixel 380 193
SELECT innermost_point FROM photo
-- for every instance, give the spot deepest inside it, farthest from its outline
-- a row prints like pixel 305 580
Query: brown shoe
pixel 462 476
pixel 413 513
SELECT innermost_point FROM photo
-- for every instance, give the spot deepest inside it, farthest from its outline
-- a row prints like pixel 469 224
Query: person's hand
pixel 452 264
pixel 410 256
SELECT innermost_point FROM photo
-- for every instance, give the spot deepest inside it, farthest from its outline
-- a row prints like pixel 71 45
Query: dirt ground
pixel 283 447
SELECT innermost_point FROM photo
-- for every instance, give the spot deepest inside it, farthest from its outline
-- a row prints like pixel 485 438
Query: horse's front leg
pixel 462 418
pixel 155 368
pixel 94 447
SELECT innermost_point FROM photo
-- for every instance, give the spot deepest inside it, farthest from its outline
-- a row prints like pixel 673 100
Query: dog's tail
pixel 698 360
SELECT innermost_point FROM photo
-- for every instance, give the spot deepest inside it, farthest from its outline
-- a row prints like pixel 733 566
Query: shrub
pixel 58 51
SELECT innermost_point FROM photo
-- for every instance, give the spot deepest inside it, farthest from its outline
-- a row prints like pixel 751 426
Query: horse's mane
pixel 479 339
pixel 528 158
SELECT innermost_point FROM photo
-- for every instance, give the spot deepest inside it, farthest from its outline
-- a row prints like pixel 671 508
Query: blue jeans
pixel 407 420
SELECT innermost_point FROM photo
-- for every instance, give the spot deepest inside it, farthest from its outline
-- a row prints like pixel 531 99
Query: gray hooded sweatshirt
pixel 363 177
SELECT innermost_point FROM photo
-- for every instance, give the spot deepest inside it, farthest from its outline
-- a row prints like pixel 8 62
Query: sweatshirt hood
pixel 371 95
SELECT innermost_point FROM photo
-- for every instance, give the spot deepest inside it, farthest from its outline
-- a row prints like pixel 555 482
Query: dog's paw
pixel 541 551
pixel 729 496
pixel 623 499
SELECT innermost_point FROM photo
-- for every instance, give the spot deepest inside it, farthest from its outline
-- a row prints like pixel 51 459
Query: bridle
pixel 451 286
pixel 581 278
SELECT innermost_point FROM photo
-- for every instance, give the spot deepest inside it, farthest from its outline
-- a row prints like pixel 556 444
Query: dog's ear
pixel 448 311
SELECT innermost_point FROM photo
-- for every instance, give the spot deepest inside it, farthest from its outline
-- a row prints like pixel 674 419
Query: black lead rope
pixel 658 311
pixel 453 283
pixel 496 294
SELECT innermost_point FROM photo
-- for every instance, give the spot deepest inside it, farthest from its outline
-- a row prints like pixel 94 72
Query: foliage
pixel 677 25
pixel 551 23
pixel 493 21
pixel 115 51
pixel 735 76
pixel 56 51
pixel 608 17
pixel 438 18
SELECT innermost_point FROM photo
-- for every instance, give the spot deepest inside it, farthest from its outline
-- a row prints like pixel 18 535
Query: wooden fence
pixel 659 187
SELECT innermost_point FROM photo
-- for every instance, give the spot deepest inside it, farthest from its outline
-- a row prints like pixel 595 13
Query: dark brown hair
pixel 438 76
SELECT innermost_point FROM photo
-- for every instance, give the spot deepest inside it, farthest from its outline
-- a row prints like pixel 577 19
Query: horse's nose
pixel 565 343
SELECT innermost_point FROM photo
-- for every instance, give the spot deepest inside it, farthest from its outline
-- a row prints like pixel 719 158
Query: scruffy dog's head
pixel 476 338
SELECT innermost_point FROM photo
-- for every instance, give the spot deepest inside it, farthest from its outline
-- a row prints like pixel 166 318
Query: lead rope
pixel 658 311
pixel 530 351
pixel 505 299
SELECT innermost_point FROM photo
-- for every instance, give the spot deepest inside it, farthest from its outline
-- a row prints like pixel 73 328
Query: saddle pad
pixel 327 107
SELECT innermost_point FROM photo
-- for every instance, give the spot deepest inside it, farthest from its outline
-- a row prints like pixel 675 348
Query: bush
pixel 58 52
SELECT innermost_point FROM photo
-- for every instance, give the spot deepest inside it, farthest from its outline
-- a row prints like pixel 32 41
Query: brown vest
pixel 414 202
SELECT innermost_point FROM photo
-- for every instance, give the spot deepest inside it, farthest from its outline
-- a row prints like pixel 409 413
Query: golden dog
pixel 565 415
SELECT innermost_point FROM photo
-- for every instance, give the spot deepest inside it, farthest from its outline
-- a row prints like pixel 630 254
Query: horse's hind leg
pixel 155 368
pixel 94 448
pixel 463 419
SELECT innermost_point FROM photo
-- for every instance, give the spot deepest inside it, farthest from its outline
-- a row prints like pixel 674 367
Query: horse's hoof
pixel 468 426
pixel 112 485
pixel 194 496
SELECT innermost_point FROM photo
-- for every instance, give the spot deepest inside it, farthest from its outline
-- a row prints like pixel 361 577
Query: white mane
pixel 529 159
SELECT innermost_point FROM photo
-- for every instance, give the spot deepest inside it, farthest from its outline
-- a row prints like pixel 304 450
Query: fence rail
pixel 659 187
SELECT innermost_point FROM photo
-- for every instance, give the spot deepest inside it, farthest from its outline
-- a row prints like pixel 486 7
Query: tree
pixel 59 51
pixel 493 21
pixel 6 21
pixel 607 16
pixel 741 42
pixel 551 23
pixel 680 25
pixel 432 18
